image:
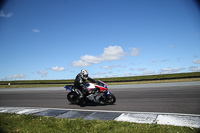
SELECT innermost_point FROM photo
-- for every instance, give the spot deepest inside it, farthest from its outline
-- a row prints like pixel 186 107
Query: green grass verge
pixel 32 124
pixel 164 78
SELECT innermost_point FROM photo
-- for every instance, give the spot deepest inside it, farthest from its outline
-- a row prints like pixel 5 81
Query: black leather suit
pixel 79 84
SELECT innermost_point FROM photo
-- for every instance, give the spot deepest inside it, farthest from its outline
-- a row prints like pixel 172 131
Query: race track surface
pixel 165 98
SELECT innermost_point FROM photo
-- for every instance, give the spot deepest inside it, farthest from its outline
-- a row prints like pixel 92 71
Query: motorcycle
pixel 98 93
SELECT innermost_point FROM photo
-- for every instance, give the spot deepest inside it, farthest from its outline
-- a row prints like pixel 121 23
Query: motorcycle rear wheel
pixel 72 97
pixel 110 99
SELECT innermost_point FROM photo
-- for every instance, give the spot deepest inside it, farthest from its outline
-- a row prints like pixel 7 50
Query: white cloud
pixel 36 30
pixel 170 70
pixel 165 60
pixel 108 76
pixel 2 14
pixel 98 76
pixel 87 60
pixel 110 72
pixel 56 68
pixel 128 74
pixel 196 61
pixel 133 64
pixel 114 75
pixel 134 51
pixel 122 66
pixel 80 63
pixel 110 53
pixel 171 46
pixel 16 76
pixel 148 72
pixel 194 69
pixel 195 56
pixel 141 69
pixel 108 67
pixel 99 73
pixel 165 70
pixel 42 73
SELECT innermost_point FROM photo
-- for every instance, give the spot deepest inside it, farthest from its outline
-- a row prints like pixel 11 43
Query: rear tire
pixel 72 97
pixel 109 99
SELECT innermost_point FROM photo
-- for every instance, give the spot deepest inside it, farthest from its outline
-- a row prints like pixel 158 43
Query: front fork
pixel 106 94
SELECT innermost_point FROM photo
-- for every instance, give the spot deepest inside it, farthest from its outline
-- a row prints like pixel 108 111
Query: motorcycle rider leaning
pixel 79 83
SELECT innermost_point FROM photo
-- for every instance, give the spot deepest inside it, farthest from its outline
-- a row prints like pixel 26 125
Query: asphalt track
pixel 183 97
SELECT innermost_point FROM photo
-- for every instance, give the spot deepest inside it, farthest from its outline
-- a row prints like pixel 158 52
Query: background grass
pixel 31 123
pixel 179 77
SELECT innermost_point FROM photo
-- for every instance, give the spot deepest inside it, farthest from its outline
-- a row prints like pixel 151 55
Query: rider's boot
pixel 81 100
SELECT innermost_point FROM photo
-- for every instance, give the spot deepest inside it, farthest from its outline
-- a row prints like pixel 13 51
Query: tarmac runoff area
pixel 188 120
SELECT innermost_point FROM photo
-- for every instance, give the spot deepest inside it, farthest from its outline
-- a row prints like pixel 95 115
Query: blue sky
pixel 55 39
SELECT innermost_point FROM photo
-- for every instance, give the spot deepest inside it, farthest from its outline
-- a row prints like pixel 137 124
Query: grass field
pixel 32 124
pixel 164 78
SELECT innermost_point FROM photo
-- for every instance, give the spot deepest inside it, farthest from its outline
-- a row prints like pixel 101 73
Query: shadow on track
pixel 89 104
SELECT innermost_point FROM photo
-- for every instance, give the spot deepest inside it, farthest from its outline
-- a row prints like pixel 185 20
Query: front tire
pixel 72 97
pixel 109 99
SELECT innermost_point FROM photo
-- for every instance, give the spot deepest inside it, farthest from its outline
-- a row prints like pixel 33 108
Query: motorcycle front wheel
pixel 109 99
pixel 72 97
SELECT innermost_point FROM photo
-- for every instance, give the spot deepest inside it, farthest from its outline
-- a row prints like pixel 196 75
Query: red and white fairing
pixel 102 87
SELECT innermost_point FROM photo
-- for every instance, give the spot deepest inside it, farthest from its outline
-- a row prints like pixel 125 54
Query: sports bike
pixel 97 93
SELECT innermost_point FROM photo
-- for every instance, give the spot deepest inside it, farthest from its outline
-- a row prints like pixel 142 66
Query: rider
pixel 79 83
